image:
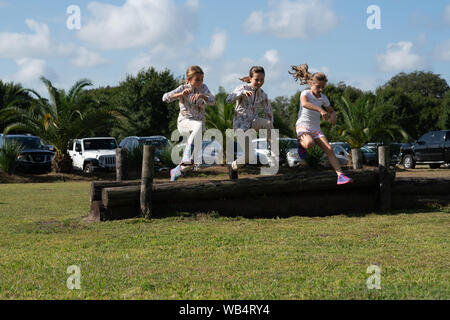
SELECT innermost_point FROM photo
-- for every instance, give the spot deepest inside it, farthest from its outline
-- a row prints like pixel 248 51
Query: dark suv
pixel 433 148
pixel 34 157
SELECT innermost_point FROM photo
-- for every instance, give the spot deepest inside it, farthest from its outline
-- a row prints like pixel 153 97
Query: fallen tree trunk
pixel 230 189
pixel 97 186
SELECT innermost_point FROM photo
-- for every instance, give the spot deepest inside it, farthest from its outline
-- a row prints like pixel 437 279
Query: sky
pixel 362 43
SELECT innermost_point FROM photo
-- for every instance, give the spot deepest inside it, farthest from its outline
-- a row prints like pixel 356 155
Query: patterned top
pixel 189 110
pixel 247 107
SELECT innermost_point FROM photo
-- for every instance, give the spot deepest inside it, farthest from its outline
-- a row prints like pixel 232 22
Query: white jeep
pixel 91 154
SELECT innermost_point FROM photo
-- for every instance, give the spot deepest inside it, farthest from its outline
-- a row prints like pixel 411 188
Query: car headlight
pixel 291 154
pixel 22 157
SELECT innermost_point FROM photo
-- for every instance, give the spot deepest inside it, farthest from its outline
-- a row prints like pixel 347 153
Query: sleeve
pixel 236 94
pixel 168 96
pixel 268 109
pixel 211 99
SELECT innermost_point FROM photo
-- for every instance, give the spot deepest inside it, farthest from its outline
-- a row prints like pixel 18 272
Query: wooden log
pixel 230 189
pixel 421 187
pixel 97 186
pixel 147 181
pixel 121 164
pixel 385 179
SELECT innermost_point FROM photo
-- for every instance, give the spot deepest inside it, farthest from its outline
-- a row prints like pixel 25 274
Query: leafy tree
pixel 12 94
pixel 427 84
pixel 146 113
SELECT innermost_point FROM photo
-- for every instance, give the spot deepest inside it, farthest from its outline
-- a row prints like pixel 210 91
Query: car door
pixel 77 158
pixel 447 147
pixel 421 147
pixel 435 147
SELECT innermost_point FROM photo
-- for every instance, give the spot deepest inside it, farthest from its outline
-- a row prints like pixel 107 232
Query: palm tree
pixel 12 94
pixel 365 122
pixel 62 117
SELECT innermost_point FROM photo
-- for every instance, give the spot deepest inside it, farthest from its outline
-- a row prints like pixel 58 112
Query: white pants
pixel 191 128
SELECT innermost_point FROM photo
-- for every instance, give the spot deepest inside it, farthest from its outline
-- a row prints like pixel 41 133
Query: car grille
pixel 38 158
pixel 107 161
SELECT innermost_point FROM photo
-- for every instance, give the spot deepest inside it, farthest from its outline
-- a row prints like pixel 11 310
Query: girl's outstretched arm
pixel 308 105
pixel 173 95
pixel 236 94
pixel 210 99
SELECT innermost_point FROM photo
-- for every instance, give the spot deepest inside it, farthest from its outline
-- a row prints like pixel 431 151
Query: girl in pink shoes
pixel 193 97
pixel 308 123
pixel 249 97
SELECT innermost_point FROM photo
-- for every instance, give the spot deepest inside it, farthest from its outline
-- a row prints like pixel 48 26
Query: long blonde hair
pixel 192 71
pixel 253 70
pixel 301 73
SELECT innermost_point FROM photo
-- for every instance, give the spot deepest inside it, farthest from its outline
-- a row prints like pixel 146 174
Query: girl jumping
pixel 308 123
pixel 249 97
pixel 193 97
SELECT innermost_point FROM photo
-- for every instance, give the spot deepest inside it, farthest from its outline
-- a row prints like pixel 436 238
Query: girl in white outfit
pixel 249 97
pixel 308 129
pixel 193 98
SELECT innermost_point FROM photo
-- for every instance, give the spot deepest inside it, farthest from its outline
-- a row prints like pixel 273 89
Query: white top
pixel 247 107
pixel 191 110
pixel 310 118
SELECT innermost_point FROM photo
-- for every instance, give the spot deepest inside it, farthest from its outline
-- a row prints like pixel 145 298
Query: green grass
pixel 210 257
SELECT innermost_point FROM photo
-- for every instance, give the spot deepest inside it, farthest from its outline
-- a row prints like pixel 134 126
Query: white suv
pixel 90 154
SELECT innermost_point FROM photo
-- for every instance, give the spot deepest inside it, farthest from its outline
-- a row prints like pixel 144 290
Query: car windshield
pixel 366 150
pixel 28 142
pixel 97 144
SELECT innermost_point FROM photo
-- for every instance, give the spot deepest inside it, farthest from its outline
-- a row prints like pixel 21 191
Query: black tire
pixel 435 165
pixel 88 168
pixel 408 162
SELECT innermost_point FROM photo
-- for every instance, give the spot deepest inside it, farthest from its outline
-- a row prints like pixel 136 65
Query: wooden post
pixel 121 164
pixel 357 159
pixel 147 181
pixel 385 177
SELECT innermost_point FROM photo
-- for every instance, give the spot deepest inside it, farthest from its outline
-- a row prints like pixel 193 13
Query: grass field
pixel 209 257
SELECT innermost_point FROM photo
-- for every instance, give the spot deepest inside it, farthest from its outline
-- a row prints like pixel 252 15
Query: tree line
pixel 404 108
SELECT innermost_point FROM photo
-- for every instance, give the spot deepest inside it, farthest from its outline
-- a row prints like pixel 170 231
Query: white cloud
pixel 139 24
pixel 447 14
pixel 85 58
pixel 302 19
pixel 29 70
pixel 13 45
pixel 442 51
pixel 218 45
pixel 272 57
pixel 399 57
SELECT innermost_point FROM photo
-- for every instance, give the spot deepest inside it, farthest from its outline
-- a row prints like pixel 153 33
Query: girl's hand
pixel 195 97
pixel 248 93
pixel 333 119
pixel 186 92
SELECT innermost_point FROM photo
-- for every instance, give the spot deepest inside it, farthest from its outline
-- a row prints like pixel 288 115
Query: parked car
pixel 211 152
pixel 91 154
pixel 433 148
pixel 34 157
pixel 369 156
pixel 159 142
pixel 344 145
pixel 340 151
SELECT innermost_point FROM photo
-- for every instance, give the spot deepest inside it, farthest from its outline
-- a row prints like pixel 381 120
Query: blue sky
pixel 119 37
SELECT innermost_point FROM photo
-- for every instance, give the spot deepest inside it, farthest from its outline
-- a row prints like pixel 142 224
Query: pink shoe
pixel 343 179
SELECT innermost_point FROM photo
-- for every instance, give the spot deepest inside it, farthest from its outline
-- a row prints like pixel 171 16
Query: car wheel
pixel 88 168
pixel 408 162
pixel 435 165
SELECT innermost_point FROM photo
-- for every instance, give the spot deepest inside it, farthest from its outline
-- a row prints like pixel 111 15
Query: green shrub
pixel 8 155
pixel 314 156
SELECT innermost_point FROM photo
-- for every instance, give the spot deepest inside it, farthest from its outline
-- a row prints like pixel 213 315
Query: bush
pixel 8 156
pixel 314 157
